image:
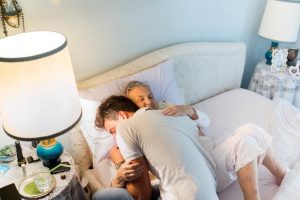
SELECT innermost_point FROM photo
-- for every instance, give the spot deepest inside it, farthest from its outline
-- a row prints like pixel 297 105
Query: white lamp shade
pixel 38 93
pixel 281 21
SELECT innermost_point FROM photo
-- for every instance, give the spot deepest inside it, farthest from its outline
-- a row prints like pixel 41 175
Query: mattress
pixel 229 110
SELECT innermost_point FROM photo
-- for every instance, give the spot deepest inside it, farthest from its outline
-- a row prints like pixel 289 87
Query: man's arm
pixel 140 188
pixel 125 171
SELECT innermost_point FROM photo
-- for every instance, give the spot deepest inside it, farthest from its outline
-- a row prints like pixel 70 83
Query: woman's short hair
pixel 132 84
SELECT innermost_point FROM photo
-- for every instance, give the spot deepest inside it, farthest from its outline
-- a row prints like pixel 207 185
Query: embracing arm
pixel 178 110
pixel 201 118
pixel 140 188
pixel 126 172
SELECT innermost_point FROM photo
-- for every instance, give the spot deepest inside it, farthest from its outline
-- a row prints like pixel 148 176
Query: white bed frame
pixel 202 70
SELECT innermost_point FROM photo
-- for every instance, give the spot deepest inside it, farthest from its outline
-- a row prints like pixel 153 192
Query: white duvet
pixel 281 119
pixel 285 128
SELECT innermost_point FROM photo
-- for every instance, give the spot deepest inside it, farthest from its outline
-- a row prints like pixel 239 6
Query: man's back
pixel 174 155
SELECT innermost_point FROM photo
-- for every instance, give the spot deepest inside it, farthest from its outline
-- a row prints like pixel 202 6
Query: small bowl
pixel 8 153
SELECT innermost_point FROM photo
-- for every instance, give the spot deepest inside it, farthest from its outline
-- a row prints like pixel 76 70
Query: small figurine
pixel 292 57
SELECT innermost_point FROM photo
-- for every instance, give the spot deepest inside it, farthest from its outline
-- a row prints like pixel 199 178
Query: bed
pixel 208 76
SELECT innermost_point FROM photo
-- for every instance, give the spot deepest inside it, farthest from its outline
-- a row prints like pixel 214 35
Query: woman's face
pixel 142 97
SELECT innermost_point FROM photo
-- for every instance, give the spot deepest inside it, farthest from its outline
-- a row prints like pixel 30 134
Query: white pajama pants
pixel 247 143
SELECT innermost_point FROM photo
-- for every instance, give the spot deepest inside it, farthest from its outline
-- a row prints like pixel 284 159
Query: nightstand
pixel 279 84
pixel 68 187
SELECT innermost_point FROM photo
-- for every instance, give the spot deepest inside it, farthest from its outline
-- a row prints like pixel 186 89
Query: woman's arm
pixel 201 118
pixel 177 110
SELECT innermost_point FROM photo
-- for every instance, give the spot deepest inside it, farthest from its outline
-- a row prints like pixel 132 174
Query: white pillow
pixel 285 127
pixel 290 186
pixel 105 170
pixel 99 141
pixel 161 79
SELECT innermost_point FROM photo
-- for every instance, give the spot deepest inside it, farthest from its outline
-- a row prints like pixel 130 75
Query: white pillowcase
pixel 161 79
pixel 99 141
pixel 285 127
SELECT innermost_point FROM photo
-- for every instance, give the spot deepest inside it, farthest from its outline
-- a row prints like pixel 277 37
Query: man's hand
pixel 180 110
pixel 126 173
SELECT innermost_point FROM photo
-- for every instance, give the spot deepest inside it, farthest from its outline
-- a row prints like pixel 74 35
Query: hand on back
pixel 179 110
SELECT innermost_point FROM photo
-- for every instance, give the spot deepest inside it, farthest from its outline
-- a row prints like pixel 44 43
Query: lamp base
pixel 268 54
pixel 49 151
pixel 51 163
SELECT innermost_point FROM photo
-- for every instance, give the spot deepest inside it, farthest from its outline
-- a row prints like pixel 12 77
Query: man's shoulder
pixel 140 120
pixel 144 113
pixel 124 125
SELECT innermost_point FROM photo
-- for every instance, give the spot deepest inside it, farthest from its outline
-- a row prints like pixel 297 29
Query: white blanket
pixel 285 127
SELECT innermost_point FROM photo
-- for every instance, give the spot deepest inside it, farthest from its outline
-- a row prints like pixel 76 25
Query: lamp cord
pixel 18 11
pixel 3 2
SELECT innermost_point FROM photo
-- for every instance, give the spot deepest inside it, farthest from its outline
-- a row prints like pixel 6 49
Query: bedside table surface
pixel 68 188
pixel 278 84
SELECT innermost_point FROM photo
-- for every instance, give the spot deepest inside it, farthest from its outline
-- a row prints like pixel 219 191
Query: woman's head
pixel 141 94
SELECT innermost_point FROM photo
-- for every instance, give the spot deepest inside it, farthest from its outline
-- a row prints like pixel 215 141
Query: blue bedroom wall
pixel 103 34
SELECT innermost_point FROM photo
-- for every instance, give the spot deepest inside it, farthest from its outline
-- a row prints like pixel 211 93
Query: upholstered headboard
pixel 202 70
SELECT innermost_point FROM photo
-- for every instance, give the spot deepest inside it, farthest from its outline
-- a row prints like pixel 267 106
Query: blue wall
pixel 103 34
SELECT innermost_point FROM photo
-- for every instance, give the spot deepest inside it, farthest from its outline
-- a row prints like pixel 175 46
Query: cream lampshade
pixel 280 23
pixel 38 93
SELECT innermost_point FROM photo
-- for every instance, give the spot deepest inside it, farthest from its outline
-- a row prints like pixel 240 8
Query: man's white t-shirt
pixel 175 156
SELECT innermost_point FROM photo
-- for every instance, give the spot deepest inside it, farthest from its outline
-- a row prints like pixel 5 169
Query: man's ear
pixel 123 114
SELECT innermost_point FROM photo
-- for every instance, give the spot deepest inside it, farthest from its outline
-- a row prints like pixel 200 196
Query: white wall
pixel 103 34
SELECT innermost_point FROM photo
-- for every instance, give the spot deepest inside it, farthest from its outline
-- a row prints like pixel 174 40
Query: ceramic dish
pixel 29 189
pixel 7 153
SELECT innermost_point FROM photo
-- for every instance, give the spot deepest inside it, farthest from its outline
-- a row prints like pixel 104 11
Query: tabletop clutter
pixel 33 185
pixel 292 64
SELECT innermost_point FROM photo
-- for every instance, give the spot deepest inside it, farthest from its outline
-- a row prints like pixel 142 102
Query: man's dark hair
pixel 111 106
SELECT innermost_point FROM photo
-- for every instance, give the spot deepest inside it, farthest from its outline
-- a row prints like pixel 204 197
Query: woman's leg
pixel 247 177
pixel 273 166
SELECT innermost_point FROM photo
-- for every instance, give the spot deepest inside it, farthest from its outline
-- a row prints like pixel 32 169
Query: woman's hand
pixel 129 172
pixel 126 173
pixel 179 110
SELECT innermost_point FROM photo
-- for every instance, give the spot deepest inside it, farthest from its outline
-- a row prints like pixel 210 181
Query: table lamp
pixel 38 94
pixel 280 23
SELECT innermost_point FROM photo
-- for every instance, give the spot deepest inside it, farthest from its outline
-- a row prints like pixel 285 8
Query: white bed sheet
pixel 230 110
